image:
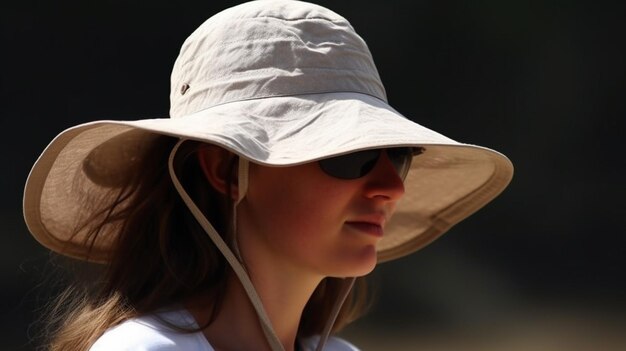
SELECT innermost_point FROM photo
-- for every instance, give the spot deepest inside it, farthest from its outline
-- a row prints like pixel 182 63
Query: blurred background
pixel 540 268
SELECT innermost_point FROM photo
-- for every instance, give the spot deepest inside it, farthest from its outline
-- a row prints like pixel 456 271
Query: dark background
pixel 541 81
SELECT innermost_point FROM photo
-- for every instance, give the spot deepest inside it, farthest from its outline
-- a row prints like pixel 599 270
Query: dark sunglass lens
pixel 350 166
pixel 400 158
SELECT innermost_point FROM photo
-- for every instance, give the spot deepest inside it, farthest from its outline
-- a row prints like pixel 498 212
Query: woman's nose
pixel 384 181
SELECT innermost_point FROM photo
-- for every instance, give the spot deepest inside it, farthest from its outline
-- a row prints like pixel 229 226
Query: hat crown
pixel 270 48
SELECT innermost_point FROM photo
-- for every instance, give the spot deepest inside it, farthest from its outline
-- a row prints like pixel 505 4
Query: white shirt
pixel 148 333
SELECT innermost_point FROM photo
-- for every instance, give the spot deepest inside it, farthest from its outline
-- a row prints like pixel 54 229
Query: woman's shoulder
pixel 153 332
pixel 332 344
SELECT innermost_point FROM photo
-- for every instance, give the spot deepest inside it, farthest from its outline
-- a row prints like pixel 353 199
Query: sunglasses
pixel 358 164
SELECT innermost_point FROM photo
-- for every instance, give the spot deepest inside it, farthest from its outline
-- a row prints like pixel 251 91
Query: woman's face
pixel 300 218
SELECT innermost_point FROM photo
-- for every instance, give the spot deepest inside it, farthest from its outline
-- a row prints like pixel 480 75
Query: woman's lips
pixel 367 228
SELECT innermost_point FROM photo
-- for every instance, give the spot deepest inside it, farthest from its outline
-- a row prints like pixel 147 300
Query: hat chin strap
pixel 236 262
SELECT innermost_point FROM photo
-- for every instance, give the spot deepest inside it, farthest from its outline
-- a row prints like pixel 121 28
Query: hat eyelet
pixel 184 88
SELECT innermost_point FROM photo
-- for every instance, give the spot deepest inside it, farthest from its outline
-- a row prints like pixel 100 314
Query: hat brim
pixel 446 183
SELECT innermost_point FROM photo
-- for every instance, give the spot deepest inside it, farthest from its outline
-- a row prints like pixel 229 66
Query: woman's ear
pixel 219 167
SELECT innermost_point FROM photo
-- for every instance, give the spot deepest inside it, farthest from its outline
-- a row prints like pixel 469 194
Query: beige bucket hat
pixel 279 83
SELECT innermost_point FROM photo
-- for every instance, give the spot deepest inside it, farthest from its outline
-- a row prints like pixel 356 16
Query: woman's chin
pixel 358 264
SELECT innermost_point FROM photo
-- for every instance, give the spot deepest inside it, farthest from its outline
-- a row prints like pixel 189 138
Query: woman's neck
pixel 237 326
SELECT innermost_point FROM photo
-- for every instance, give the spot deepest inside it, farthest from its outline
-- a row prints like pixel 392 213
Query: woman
pixel 242 222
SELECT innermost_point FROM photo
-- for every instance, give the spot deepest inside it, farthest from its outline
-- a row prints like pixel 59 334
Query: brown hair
pixel 162 256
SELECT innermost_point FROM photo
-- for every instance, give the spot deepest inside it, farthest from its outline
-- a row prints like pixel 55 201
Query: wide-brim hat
pixel 278 83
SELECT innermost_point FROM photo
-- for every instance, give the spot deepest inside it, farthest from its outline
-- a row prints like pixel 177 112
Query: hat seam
pixel 338 20
pixel 287 95
pixel 273 39
pixel 224 43
pixel 293 68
